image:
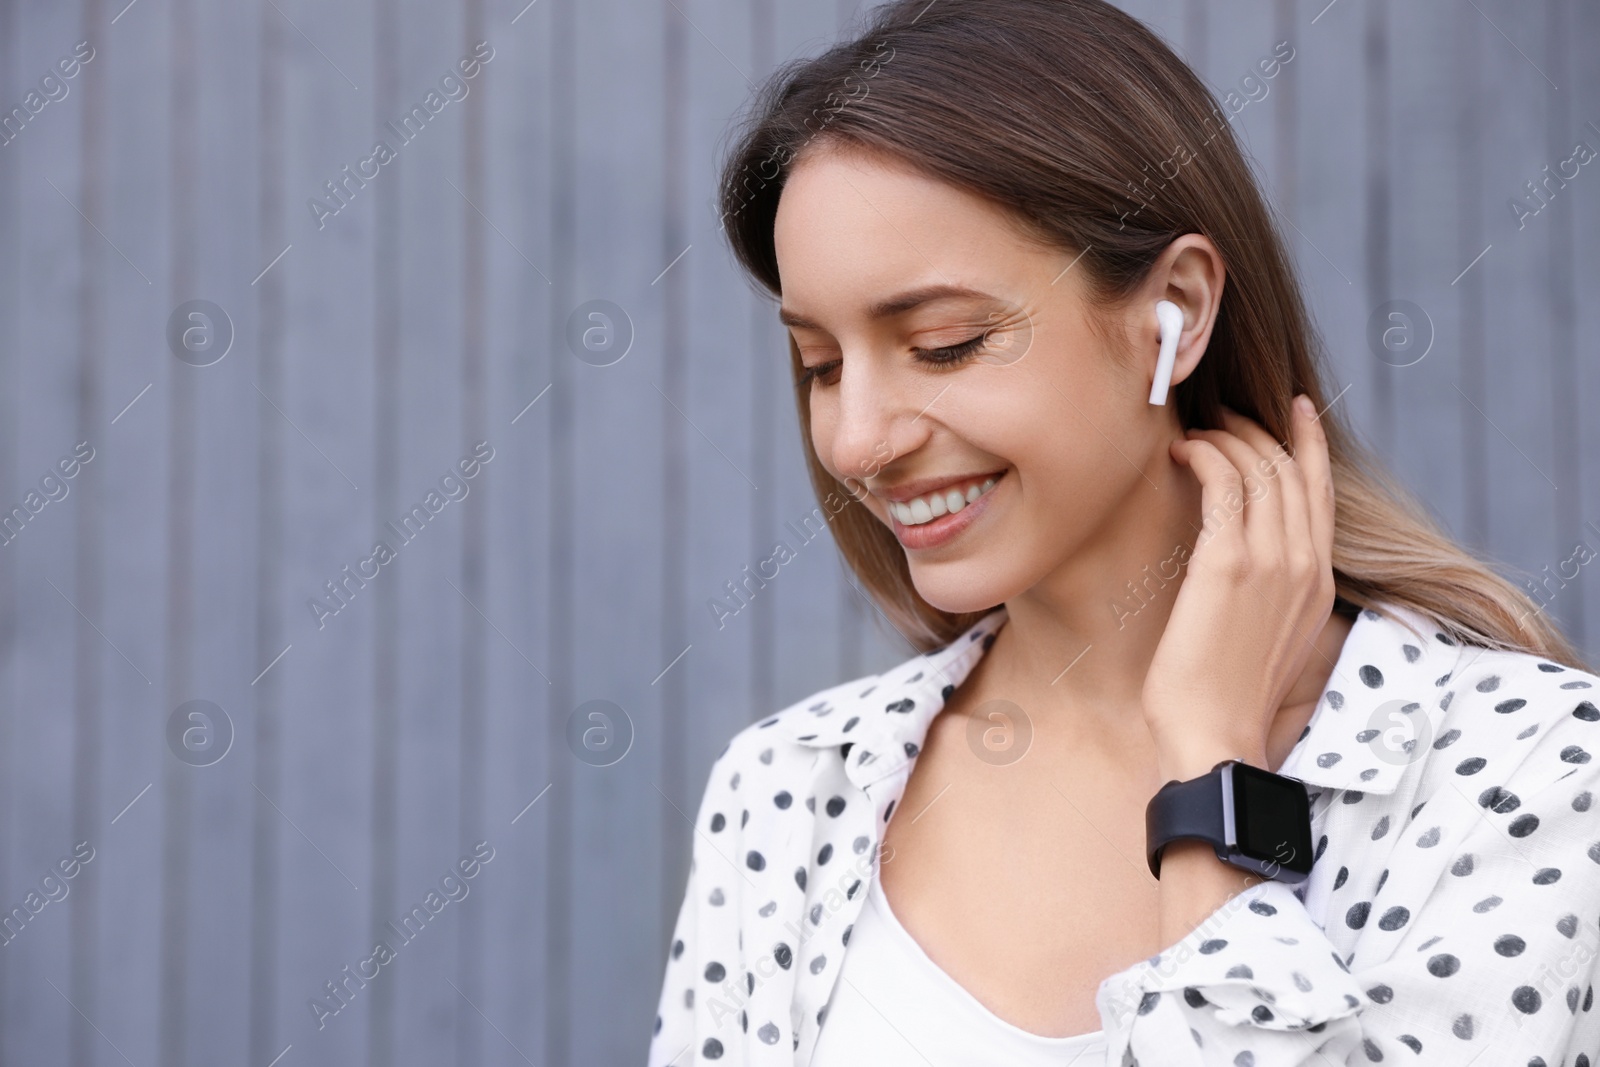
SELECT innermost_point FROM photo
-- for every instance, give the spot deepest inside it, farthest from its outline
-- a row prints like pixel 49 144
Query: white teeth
pixel 927 508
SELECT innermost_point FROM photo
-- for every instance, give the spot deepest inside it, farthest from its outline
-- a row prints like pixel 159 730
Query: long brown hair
pixel 1101 142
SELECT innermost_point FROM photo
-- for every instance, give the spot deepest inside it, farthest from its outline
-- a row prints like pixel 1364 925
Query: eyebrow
pixel 894 305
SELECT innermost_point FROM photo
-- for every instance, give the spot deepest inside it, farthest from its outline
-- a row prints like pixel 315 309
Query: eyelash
pixel 942 358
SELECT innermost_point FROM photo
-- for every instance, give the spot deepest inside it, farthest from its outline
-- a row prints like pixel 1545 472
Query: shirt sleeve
pixel 702 938
pixel 1257 982
pixel 672 1041
pixel 1484 946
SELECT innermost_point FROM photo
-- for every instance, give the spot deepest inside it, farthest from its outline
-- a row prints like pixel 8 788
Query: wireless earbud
pixel 1170 316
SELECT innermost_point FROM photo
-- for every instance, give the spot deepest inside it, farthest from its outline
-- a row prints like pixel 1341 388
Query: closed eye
pixel 948 356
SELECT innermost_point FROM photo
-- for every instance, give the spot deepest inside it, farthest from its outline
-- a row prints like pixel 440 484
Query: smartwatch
pixel 1255 820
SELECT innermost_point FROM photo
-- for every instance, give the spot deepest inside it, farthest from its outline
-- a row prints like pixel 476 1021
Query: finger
pixel 1220 482
pixel 1281 472
pixel 1262 509
pixel 1251 432
pixel 1311 456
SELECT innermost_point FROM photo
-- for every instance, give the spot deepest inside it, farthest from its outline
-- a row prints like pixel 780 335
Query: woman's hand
pixel 1259 589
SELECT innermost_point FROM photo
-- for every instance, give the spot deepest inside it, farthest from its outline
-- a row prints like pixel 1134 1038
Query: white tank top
pixel 894 1007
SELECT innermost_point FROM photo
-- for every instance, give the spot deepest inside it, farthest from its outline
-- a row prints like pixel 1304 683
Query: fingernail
pixel 1303 403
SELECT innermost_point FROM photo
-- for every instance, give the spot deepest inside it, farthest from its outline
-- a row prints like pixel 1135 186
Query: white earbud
pixel 1170 317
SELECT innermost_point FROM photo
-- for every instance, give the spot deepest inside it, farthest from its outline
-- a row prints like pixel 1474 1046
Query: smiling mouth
pixel 945 501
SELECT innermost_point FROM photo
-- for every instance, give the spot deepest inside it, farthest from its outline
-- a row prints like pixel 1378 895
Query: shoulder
pixel 791 732
pixel 1519 714
pixel 802 748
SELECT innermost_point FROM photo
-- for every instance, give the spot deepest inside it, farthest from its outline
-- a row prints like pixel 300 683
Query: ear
pixel 1190 273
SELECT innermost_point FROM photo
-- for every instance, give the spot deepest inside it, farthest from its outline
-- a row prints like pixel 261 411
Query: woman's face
pixel 922 392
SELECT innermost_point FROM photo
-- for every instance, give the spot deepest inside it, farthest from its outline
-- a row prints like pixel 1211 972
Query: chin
pixel 959 588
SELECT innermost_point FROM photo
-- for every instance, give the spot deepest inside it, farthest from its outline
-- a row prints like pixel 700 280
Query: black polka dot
pixel 835 806
pixel 1443 965
pixel 1472 765
pixel 1509 945
pixel 1526 999
pixel 712 1049
pixel 715 972
pixel 783 800
pixel 1498 798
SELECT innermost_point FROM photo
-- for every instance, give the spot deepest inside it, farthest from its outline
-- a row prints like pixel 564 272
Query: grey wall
pixel 372 749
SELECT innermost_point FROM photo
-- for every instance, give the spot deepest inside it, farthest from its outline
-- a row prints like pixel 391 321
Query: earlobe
pixel 1169 317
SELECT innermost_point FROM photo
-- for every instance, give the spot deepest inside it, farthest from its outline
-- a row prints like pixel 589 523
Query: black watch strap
pixel 1183 810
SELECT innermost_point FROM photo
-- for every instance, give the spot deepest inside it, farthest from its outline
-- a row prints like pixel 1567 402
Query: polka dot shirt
pixel 1452 915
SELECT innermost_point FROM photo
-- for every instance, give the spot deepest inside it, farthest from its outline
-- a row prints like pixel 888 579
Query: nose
pixel 878 417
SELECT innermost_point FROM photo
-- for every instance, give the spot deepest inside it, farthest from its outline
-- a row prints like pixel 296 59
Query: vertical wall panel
pixel 429 309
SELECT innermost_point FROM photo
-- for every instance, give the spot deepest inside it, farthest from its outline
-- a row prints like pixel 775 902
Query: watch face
pixel 1272 818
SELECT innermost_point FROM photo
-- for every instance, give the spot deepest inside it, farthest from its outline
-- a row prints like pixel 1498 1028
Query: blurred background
pixel 240 347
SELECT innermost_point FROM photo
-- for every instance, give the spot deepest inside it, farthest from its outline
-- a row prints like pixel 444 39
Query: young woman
pixel 969 215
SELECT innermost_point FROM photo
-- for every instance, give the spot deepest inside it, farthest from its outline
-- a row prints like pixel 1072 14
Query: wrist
pixel 1181 762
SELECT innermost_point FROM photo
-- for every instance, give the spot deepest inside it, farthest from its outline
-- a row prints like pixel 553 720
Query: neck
pixel 1078 644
